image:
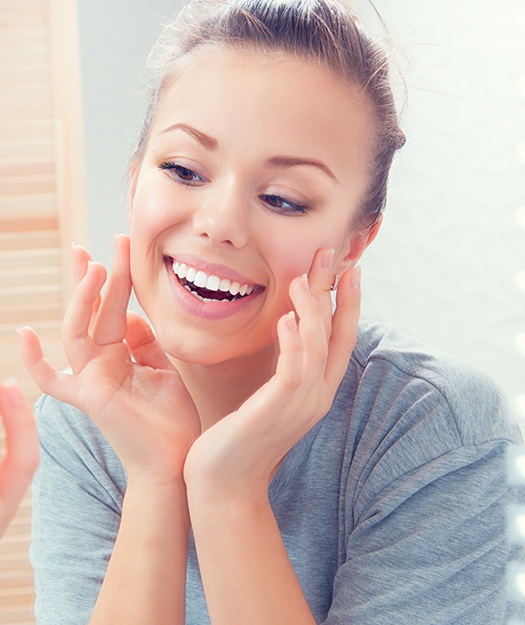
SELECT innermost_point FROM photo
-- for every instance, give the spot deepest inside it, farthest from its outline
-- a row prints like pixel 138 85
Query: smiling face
pixel 253 163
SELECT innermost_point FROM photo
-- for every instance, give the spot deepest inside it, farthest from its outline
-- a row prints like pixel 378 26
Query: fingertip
pixel 11 393
pixel 290 322
pixel 96 272
pixel 122 250
pixel 26 334
pixel 30 346
pixel 327 260
pixel 81 257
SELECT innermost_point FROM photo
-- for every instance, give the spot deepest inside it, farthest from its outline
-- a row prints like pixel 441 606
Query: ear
pixel 357 244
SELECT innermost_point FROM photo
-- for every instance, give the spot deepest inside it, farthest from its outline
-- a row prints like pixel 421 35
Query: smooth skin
pixel 21 459
pixel 201 412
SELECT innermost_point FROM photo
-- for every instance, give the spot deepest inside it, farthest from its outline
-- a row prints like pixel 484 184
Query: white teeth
pixel 211 283
pixel 235 288
pixel 190 276
pixel 200 279
pixel 224 285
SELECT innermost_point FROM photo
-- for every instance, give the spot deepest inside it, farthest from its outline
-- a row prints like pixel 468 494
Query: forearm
pixel 246 572
pixel 146 577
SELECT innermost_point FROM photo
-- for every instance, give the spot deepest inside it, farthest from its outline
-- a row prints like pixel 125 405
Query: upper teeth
pixel 211 283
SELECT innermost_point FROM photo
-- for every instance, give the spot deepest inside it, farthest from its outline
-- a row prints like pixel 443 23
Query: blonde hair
pixel 324 32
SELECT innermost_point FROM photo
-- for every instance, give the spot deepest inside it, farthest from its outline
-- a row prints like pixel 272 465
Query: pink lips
pixel 209 309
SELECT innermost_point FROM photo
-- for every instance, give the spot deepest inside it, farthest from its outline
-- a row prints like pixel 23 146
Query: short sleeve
pixel 430 549
pixel 76 514
pixel 426 500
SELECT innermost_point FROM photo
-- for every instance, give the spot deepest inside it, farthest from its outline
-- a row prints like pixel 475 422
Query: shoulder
pixel 70 440
pixel 418 420
pixel 397 375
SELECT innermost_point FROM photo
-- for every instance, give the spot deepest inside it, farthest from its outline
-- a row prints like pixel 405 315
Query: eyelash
pixel 271 199
pixel 175 170
pixel 295 209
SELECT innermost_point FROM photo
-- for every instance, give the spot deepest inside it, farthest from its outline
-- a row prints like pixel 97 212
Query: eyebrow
pixel 279 162
pixel 205 140
pixel 285 162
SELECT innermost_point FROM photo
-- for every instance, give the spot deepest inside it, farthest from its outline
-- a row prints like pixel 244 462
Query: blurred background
pixel 448 266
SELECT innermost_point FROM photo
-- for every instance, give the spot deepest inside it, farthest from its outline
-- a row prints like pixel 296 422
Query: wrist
pixel 228 500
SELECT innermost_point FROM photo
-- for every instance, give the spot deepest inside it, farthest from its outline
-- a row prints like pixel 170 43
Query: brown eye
pixel 283 206
pixel 183 175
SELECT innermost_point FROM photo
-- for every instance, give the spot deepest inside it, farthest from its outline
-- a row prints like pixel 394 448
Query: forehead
pixel 273 100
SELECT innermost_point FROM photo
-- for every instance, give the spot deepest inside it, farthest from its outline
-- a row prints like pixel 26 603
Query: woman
pixel 255 458
pixel 21 459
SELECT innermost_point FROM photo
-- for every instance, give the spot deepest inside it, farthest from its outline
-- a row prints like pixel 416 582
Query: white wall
pixel 444 266
pixel 115 39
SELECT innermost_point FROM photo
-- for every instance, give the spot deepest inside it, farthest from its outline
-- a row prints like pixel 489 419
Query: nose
pixel 222 216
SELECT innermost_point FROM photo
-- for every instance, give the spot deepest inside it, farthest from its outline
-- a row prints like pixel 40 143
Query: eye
pixel 183 175
pixel 283 206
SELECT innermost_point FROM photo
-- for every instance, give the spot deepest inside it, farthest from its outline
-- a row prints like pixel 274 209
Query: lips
pixel 207 286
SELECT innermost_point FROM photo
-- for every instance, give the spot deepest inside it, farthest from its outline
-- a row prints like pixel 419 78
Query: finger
pixel 75 329
pixel 311 327
pixel 20 429
pixel 143 344
pixel 111 323
pixel 81 259
pixel 289 369
pixel 49 380
pixel 320 280
pixel 21 459
pixel 344 327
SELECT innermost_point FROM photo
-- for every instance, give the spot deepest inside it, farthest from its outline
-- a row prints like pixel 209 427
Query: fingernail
pixel 356 278
pixel 327 260
pixel 304 283
pixel 291 322
pixel 12 393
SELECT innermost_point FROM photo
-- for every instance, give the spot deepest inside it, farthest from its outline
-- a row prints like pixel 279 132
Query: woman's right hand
pixel 21 458
pixel 120 375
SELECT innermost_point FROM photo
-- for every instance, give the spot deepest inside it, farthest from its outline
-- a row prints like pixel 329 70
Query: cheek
pixel 150 211
pixel 289 259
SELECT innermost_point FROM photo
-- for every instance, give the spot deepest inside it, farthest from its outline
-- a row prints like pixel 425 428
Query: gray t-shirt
pixel 392 508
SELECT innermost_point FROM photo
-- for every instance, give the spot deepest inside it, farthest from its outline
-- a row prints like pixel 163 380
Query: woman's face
pixel 254 162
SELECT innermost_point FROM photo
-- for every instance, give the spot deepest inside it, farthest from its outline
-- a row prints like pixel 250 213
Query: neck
pixel 222 388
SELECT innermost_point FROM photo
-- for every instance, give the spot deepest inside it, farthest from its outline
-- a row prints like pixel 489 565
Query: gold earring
pixel 333 287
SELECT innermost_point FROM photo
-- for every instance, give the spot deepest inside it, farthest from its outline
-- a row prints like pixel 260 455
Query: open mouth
pixel 211 288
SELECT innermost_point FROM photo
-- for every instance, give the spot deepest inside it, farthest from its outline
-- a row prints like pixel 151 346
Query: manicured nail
pixel 291 323
pixel 327 260
pixel 12 393
pixel 356 278
pixel 304 283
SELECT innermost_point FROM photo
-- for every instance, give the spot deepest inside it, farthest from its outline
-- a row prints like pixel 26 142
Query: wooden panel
pixel 40 138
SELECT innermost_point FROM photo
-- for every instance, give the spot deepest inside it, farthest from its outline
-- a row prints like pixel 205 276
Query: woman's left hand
pixel 239 455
